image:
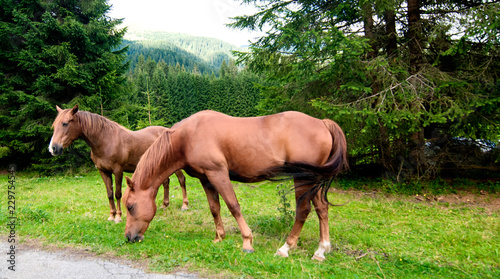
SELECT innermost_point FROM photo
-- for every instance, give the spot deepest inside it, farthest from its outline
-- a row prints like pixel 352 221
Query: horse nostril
pixel 56 149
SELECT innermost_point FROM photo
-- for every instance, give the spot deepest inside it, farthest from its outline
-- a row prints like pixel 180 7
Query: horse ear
pixel 74 110
pixel 58 108
pixel 130 183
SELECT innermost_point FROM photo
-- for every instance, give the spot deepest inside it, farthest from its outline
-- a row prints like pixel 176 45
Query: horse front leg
pixel 118 195
pixel 222 184
pixel 182 182
pixel 214 204
pixel 108 182
pixel 301 212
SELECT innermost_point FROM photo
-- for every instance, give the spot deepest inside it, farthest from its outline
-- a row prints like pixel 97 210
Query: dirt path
pixel 490 202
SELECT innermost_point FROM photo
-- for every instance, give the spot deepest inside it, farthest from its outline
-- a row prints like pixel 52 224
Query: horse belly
pixel 245 177
pixel 251 162
pixel 130 168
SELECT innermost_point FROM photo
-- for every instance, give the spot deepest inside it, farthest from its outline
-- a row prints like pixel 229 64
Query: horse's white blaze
pixel 324 247
pixel 50 146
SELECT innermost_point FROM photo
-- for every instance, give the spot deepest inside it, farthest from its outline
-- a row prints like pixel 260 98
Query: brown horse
pixel 216 148
pixel 115 149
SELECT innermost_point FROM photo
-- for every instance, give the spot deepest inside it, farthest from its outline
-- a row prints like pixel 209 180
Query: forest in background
pixel 70 52
pixel 204 54
pixel 413 84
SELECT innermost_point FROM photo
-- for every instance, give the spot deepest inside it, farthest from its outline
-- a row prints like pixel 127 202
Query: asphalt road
pixel 30 262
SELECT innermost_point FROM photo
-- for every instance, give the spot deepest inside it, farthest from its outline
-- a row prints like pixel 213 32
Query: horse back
pixel 140 141
pixel 125 148
pixel 149 133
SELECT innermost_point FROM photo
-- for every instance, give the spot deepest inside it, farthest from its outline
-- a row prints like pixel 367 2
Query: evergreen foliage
pixel 175 93
pixel 70 52
pixel 205 54
pixel 52 52
pixel 409 81
pixel 414 84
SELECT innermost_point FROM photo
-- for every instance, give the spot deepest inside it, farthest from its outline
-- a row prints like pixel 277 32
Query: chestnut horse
pixel 115 149
pixel 216 148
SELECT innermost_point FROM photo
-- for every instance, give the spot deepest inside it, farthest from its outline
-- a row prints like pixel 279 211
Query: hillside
pixel 204 53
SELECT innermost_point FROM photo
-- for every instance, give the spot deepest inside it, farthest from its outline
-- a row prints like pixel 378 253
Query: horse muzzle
pixel 132 239
pixel 55 149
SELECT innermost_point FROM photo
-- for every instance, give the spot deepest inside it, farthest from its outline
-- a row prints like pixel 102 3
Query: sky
pixel 206 18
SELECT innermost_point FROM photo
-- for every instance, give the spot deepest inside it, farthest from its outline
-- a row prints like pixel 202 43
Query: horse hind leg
pixel 118 196
pixel 182 183
pixel 166 193
pixel 301 212
pixel 321 207
pixel 108 182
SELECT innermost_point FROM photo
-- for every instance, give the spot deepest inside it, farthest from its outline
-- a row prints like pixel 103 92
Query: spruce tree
pixel 53 53
pixel 399 76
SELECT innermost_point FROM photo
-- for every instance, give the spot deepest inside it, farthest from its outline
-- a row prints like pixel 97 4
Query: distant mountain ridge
pixel 203 53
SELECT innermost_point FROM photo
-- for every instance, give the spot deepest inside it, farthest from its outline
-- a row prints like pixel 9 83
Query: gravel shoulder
pixel 32 260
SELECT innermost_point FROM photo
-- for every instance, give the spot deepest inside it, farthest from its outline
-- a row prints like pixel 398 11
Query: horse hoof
pixel 184 208
pixel 281 254
pixel 111 218
pixel 318 258
pixel 248 251
pixel 118 220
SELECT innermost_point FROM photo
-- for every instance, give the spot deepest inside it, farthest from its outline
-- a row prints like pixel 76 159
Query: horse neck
pixel 159 162
pixel 96 130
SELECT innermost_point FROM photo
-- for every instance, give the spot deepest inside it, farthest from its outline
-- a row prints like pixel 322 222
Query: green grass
pixel 372 236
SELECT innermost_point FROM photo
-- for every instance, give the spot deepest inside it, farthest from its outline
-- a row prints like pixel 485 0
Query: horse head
pixel 141 208
pixel 66 130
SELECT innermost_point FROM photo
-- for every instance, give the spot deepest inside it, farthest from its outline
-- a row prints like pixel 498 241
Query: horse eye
pixel 130 208
pixel 65 124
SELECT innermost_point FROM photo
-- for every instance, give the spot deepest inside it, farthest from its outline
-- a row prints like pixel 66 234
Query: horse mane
pixel 92 123
pixel 155 158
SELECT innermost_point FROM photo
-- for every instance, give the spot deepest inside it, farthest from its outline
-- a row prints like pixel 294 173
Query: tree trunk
pixel 414 36
pixel 390 32
pixel 368 26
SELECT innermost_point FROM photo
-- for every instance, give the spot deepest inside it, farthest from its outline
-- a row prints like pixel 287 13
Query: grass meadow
pixel 374 235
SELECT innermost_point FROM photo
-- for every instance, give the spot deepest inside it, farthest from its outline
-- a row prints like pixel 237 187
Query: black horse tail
pixel 337 162
pixel 320 177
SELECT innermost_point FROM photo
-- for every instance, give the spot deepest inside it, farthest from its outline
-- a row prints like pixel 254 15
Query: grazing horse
pixel 217 148
pixel 115 149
